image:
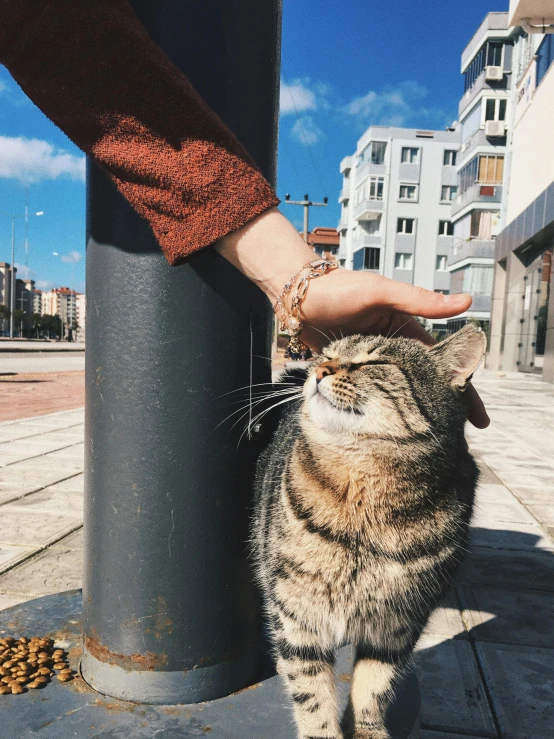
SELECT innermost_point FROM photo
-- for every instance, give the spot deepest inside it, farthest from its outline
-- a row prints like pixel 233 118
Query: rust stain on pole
pixel 132 662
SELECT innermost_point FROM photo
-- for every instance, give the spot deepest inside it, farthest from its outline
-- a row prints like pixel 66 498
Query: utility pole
pixel 306 203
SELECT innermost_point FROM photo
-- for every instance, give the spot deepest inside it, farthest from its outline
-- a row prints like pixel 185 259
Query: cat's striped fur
pixel 365 495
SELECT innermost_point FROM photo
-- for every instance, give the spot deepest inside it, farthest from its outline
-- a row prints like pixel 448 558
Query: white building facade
pixel 396 198
pixel 484 113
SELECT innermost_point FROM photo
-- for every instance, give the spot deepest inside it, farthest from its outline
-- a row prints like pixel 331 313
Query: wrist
pixel 268 250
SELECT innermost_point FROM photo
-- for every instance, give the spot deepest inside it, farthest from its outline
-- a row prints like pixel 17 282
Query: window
pixel 448 192
pixel 449 158
pixel 489 55
pixel 477 279
pixel 374 152
pixel 441 263
pixel 405 225
pixel 409 155
pixel 494 54
pixel 491 169
pixel 495 109
pixel 378 149
pixel 484 224
pixel 443 292
pixel 446 228
pixel 367 258
pixel 403 261
pixel 376 185
pixel 408 192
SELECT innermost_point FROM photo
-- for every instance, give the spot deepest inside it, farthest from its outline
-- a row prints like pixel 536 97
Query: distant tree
pixel 18 318
pixel 51 325
pixel 34 323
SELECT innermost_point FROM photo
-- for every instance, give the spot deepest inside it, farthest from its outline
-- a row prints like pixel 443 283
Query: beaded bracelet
pixel 293 323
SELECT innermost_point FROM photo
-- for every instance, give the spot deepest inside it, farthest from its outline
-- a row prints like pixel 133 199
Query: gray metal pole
pixel 12 290
pixel 170 613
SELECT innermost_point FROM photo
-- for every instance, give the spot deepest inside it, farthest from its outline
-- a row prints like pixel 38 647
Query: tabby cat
pixel 364 500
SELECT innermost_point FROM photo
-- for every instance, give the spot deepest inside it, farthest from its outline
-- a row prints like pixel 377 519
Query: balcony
pixel 472 249
pixel 493 22
pixel 477 193
pixel 342 225
pixel 365 239
pixel 345 192
pixel 345 164
pixel 368 210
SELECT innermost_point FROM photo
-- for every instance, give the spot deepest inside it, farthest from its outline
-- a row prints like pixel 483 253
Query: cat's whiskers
pixel 246 408
pixel 257 418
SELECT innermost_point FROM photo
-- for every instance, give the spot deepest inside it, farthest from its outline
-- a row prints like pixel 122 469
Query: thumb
pixel 419 302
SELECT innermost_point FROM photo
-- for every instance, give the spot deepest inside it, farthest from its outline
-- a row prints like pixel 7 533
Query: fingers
pixel 416 300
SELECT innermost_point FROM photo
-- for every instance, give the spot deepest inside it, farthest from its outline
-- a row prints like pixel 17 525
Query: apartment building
pixel 25 296
pixel 5 284
pixel 60 301
pixel 522 326
pixel 37 302
pixel 484 115
pixel 396 197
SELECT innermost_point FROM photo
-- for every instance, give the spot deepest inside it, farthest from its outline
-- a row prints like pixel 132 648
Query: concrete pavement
pixel 34 362
pixel 486 661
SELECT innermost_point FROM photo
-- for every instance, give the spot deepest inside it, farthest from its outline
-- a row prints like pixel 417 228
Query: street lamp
pixel 12 291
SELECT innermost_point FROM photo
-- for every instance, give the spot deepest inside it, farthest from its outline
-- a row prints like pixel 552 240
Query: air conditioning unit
pixel 494 73
pixel 495 128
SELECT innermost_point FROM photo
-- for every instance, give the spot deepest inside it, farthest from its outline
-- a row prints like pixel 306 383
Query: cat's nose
pixel 322 371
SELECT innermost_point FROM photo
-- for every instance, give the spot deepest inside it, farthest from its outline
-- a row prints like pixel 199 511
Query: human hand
pixel 268 250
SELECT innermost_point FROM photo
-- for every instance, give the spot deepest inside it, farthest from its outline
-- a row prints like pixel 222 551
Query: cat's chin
pixel 327 417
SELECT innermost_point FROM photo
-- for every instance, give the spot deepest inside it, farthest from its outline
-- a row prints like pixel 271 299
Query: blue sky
pixel 345 66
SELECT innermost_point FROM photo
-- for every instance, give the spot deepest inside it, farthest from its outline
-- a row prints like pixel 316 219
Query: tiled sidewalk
pixel 486 662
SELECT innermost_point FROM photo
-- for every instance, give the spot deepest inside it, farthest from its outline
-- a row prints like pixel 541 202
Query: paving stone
pixel 545 513
pixel 16 451
pixel 72 484
pixel 509 569
pixel 426 734
pixel 541 494
pixel 49 500
pixel 73 541
pixel 49 572
pixel 11 554
pixel 493 494
pixel 7 601
pixel 503 535
pixel 503 510
pixel 521 685
pixel 453 697
pixel 446 620
pixel 31 528
pixel 509 616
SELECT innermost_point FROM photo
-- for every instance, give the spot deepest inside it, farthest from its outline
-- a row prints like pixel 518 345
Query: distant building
pixel 484 114
pixel 396 197
pixel 6 284
pixel 24 296
pixel 37 302
pixel 522 327
pixel 325 242
pixel 81 305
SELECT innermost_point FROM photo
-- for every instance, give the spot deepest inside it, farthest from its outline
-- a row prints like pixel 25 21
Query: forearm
pixel 93 70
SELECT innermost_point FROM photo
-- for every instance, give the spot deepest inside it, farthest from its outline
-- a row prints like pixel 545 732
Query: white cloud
pixel 72 258
pixel 33 160
pixel 44 284
pixel 394 106
pixel 306 131
pixel 23 272
pixel 296 97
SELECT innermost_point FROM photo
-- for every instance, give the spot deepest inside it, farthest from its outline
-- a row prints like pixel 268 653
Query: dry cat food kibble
pixel 30 663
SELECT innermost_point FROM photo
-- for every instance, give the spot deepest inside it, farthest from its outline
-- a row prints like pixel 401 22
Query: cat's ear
pixel 460 354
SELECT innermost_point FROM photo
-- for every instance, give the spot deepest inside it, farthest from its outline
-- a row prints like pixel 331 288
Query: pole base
pixel 74 709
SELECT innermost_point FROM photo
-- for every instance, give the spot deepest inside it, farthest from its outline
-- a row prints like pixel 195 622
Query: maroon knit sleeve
pixel 90 66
